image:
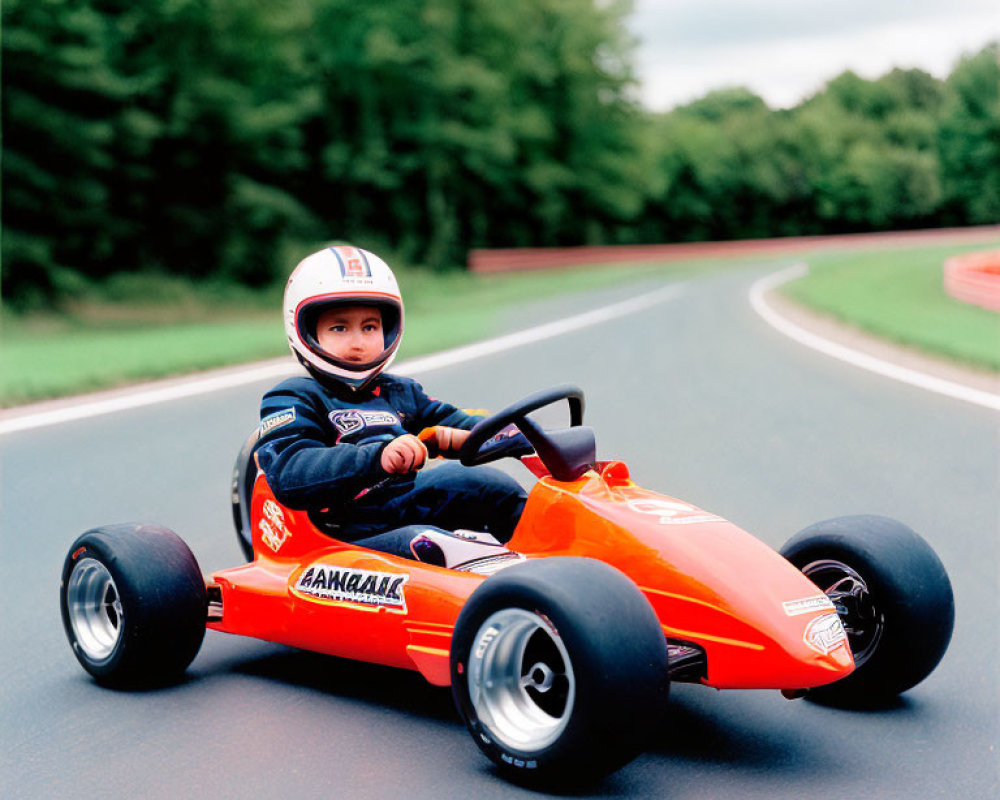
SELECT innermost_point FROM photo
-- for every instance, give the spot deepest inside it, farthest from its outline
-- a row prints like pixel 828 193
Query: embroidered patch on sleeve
pixel 276 420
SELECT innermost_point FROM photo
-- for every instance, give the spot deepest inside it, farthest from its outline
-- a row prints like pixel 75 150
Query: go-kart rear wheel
pixel 559 670
pixel 241 492
pixel 893 596
pixel 133 604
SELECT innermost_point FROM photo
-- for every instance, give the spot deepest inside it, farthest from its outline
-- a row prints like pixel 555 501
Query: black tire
pixel 594 657
pixel 241 486
pixel 134 604
pixel 893 596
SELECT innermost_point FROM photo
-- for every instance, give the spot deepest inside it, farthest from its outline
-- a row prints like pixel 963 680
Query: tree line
pixel 224 138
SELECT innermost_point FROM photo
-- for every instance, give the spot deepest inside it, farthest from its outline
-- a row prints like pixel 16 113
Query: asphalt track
pixel 701 398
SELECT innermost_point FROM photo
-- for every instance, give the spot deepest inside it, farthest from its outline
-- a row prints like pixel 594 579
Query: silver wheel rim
pixel 521 680
pixel 95 609
pixel 862 620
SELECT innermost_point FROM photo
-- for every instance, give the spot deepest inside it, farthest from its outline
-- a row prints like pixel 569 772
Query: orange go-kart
pixel 560 645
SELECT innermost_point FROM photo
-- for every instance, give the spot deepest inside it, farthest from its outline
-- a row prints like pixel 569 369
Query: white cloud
pixel 785 51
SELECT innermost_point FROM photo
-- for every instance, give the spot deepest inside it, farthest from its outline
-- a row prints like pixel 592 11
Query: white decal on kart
pixel 671 512
pixel 272 528
pixel 819 602
pixel 825 634
pixel 361 588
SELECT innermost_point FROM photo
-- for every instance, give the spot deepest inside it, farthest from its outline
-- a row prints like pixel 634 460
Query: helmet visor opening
pixel 307 319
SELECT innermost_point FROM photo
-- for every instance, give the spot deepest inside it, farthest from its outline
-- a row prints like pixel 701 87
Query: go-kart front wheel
pixel 133 604
pixel 893 596
pixel 559 670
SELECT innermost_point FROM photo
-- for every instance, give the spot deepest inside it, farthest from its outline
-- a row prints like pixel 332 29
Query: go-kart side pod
pixel 759 621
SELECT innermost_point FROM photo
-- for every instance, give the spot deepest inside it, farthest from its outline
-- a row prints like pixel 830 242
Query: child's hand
pixel 444 442
pixel 403 454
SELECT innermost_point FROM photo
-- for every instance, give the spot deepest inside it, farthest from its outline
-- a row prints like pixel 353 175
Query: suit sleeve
pixel 430 411
pixel 303 468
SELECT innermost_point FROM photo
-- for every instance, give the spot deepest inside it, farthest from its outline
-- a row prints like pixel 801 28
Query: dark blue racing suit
pixel 321 446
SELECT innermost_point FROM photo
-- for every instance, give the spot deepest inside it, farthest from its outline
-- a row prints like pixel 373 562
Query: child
pixel 341 443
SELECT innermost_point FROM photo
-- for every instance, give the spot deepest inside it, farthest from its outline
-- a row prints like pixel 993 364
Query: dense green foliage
pixel 904 151
pixel 224 138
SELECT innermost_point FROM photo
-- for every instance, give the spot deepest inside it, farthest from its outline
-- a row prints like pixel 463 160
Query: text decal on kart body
pixel 819 602
pixel 359 588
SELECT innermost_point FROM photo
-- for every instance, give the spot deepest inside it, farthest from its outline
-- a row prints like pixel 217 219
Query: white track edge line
pixel 413 366
pixel 887 369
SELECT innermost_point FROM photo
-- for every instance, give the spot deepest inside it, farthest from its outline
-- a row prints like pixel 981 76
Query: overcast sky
pixel 785 50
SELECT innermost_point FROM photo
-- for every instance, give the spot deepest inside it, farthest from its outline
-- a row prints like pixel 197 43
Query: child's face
pixel 351 333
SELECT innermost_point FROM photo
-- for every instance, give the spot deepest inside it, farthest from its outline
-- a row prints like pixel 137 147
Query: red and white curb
pixel 974 278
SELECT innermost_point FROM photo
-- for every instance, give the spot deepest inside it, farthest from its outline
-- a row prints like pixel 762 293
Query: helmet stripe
pixel 352 261
pixel 340 261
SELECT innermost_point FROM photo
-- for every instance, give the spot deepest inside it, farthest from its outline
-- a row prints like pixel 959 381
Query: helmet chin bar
pixel 352 366
pixel 347 373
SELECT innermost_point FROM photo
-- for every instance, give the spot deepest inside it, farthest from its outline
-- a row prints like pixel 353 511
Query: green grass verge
pixel 152 327
pixel 898 295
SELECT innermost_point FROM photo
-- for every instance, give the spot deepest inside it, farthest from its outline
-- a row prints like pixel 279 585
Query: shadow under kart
pixel 559 647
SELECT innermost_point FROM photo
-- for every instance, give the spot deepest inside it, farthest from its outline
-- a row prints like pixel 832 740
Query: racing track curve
pixel 700 397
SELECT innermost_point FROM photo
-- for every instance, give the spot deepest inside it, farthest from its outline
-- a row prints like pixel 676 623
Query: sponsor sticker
pixel 359 588
pixel 276 420
pixel 353 420
pixel 819 602
pixel 825 634
pixel 671 512
pixel 272 528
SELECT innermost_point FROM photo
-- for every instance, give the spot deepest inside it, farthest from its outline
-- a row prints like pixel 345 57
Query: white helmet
pixel 341 276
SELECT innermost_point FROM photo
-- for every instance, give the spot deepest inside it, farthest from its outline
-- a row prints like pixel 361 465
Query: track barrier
pixel 974 278
pixel 536 258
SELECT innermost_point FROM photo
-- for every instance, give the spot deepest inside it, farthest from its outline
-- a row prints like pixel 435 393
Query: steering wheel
pixel 567 453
